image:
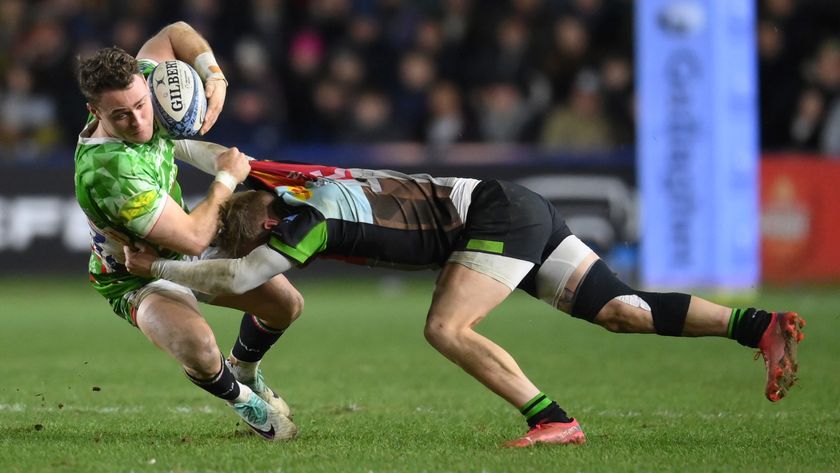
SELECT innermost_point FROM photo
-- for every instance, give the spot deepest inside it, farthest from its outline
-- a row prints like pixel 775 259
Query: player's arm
pixel 203 155
pixel 215 276
pixel 180 41
pixel 191 233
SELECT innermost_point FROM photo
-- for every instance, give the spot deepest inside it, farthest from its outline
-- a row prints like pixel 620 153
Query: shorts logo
pixel 488 246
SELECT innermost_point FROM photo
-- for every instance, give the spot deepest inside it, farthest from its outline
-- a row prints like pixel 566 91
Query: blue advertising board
pixel 697 143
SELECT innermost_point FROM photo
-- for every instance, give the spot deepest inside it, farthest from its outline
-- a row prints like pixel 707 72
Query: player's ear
pixel 92 109
pixel 270 223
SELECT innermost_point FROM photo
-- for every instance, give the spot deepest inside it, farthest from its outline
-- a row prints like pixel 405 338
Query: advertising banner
pixel 800 219
pixel 42 229
pixel 697 143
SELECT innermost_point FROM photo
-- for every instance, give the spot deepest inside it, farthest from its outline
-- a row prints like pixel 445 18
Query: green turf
pixel 81 391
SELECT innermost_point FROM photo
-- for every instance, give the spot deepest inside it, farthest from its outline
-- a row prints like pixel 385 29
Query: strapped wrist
pixel 207 67
pixel 227 179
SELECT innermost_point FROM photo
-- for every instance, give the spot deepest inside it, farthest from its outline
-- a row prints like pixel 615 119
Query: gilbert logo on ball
pixel 177 98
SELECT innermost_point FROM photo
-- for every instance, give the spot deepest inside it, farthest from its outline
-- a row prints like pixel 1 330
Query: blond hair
pixel 240 222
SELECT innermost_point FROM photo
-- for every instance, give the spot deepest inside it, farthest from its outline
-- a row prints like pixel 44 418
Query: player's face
pixel 126 114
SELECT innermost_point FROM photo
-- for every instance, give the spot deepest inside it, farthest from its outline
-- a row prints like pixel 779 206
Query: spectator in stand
pixel 618 98
pixel 28 127
pixel 12 22
pixel 503 115
pixel 416 75
pixel 578 125
pixel 816 101
pixel 828 80
pixel 347 69
pixel 508 59
pixel 129 34
pixel 431 41
pixel 331 103
pixel 537 15
pixel 807 123
pixel 304 68
pixel 568 54
pixel 253 122
pixel 447 123
pixel 778 87
pixel 46 53
pixel 365 37
pixel 371 120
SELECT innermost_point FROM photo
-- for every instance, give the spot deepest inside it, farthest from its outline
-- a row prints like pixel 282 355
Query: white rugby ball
pixel 177 98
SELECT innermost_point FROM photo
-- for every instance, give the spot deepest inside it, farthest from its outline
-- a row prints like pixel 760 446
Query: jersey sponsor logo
pixel 298 192
pixel 138 205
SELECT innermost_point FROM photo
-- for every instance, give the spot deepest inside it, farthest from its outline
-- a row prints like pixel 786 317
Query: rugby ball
pixel 177 98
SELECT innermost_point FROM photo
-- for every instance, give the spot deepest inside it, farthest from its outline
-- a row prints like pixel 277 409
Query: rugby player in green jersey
pixel 126 184
pixel 490 237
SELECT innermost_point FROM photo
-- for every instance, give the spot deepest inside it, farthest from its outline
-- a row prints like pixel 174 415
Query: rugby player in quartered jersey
pixel 376 218
pixel 386 218
pixel 490 237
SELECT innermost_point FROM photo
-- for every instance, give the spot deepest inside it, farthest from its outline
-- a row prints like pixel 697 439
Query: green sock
pixel 748 325
pixel 542 408
pixel 734 318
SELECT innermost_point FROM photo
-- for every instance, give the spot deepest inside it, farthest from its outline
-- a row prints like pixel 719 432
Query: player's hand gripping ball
pixel 177 98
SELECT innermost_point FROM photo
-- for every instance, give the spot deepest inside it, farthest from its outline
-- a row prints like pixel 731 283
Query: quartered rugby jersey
pixel 364 216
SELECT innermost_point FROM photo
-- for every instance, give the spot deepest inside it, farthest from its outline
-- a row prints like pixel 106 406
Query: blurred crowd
pixel 799 71
pixel 553 72
pixel 557 74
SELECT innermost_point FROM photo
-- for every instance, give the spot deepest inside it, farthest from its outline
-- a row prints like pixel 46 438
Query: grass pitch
pixel 82 391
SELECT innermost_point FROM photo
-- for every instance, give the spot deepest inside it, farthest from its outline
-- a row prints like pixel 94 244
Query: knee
pixel 442 335
pixel 280 313
pixel 294 307
pixel 617 317
pixel 200 356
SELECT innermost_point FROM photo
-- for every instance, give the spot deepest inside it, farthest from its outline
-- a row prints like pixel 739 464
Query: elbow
pixel 178 26
pixel 194 249
pixel 195 245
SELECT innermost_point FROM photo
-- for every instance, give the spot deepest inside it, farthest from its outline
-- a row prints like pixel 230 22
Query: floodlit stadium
pixel 616 218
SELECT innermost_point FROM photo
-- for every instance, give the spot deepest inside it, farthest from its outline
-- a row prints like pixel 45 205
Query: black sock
pixel 222 385
pixel 748 325
pixel 542 409
pixel 255 338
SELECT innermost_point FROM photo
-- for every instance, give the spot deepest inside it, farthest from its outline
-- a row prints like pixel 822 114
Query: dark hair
pixel 109 69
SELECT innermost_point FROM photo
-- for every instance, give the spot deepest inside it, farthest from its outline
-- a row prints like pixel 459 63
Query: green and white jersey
pixel 122 187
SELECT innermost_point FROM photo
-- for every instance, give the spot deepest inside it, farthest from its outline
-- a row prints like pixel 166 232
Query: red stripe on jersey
pixel 275 173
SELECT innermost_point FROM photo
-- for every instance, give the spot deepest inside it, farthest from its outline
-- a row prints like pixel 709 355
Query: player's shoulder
pixel 295 221
pixel 296 215
pixel 146 65
pixel 121 158
pixel 300 234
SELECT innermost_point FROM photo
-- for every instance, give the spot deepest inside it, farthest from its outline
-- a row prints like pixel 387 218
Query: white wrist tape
pixel 208 68
pixel 227 179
